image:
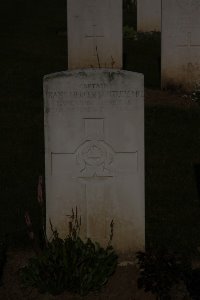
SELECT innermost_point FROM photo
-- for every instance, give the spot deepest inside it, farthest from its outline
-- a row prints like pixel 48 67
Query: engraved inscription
pixel 94 94
pixel 94 85
pixel 94 100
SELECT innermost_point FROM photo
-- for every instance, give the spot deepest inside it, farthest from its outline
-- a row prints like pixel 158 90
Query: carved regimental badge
pixel 95 158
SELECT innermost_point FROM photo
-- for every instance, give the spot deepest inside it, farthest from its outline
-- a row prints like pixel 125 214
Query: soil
pixel 177 100
pixel 123 284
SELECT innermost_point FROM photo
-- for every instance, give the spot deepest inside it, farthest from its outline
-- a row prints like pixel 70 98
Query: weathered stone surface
pixel 180 44
pixel 94 145
pixel 94 34
pixel 148 15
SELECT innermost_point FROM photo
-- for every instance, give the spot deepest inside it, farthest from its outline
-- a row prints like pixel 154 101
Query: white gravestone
pixel 180 44
pixel 148 15
pixel 94 145
pixel 94 34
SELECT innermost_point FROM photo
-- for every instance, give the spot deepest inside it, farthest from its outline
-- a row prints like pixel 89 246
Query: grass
pixel 32 48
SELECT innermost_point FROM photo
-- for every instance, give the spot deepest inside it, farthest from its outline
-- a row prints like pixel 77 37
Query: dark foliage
pixel 196 95
pixel 70 264
pixel 159 272
pixel 192 282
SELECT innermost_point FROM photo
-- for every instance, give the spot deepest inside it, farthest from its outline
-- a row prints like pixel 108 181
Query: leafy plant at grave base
pixel 148 36
pixel 129 33
pixel 196 94
pixel 2 259
pixel 70 264
pixel 159 272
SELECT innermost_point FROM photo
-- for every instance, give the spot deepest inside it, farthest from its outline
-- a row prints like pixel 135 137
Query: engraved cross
pixel 189 42
pixel 94 36
pixel 96 166
pixel 94 157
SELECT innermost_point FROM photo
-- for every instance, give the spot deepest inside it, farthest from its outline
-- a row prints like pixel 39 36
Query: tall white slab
pixel 94 33
pixel 94 147
pixel 148 15
pixel 180 44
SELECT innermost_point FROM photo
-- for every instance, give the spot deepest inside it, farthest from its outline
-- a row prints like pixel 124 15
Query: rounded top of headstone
pixel 111 74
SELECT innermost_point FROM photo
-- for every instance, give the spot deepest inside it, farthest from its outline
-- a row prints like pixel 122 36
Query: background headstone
pixel 180 44
pixel 94 34
pixel 94 145
pixel 148 15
